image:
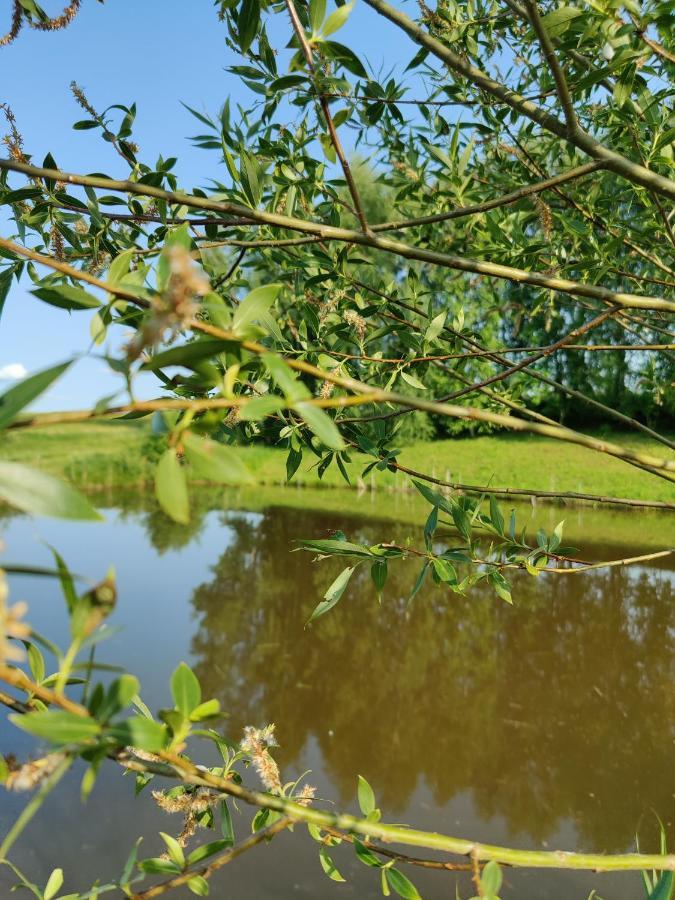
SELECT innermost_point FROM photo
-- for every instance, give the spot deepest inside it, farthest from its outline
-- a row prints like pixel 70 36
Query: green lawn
pixel 111 453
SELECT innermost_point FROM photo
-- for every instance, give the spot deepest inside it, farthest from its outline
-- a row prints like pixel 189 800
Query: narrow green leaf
pixel 402 885
pixel 328 865
pixel 185 689
pixel 205 851
pixel 138 731
pixel 58 726
pixel 41 494
pixel 174 848
pixel 255 307
pixel 321 424
pixel 366 796
pixel 21 395
pixel 66 296
pixel 199 885
pixel 53 885
pixel 337 19
pixel 248 22
pixel 171 487
pixel 333 594
pixel 215 461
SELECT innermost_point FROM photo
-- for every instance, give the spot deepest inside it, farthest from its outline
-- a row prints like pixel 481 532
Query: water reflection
pixel 548 721
pixel 551 710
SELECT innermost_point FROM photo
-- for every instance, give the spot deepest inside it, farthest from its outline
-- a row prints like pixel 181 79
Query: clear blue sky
pixel 154 52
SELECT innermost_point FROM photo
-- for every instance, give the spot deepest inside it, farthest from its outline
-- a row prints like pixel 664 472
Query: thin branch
pixel 573 496
pixel 556 69
pixel 258 837
pixel 327 232
pixel 618 163
pixel 332 131
pixel 504 200
pixel 178 767
pixel 665 467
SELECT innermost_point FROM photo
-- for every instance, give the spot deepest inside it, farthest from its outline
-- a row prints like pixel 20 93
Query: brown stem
pixel 265 834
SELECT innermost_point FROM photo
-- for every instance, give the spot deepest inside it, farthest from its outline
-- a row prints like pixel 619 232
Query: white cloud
pixel 13 372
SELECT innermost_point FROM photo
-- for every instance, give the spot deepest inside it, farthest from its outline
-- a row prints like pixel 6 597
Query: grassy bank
pixel 119 453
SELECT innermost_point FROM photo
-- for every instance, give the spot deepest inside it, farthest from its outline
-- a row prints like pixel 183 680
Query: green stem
pixel 33 806
pixel 178 767
pixel 66 666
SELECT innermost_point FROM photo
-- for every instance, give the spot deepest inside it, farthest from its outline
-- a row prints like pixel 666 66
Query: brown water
pixel 548 724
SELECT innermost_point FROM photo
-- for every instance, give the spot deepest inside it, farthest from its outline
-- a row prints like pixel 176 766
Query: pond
pixel 548 724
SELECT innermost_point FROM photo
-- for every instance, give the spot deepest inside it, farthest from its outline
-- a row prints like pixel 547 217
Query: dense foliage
pixel 480 237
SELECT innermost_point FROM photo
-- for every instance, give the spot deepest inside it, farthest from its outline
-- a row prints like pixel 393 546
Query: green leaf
pixel 366 856
pixel 333 594
pixel 501 586
pixel 317 11
pixel 53 885
pixel 255 307
pixel 205 710
pixel 250 174
pixel 321 424
pixel 346 57
pixel 366 796
pixel 496 516
pixel 66 296
pixel 199 885
pixel 226 826
pixel 206 850
pixel 435 327
pixel 287 380
pixel 18 397
pixel 491 878
pixel 413 381
pixel 5 285
pixel 259 408
pixel 185 689
pixel 158 866
pixel 402 885
pixel 41 494
pixel 559 20
pixel 338 548
pixel 138 731
pixel 36 662
pixel 58 726
pixel 337 19
pixel 248 22
pixel 378 572
pixel 328 865
pixel 664 889
pixel 187 354
pixel 174 848
pixel 215 461
pixel 171 487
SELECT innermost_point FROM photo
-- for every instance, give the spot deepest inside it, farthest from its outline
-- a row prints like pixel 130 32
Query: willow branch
pixel 617 163
pixel 327 232
pixel 665 466
pixel 573 496
pixel 556 69
pixel 332 131
pixel 178 767
pixel 259 837
pixel 504 200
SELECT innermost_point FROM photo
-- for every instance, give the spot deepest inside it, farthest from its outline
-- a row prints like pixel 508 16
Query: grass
pixel 112 453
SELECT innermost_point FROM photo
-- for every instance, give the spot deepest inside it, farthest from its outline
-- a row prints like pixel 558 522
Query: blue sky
pixel 154 52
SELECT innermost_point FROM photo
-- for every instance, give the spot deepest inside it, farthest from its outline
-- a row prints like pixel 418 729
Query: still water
pixel 548 724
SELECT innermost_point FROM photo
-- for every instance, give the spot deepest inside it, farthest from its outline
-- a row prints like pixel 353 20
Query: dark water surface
pixel 548 724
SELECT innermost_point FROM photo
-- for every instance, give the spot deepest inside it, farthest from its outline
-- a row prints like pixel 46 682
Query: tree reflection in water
pixel 559 708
